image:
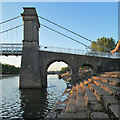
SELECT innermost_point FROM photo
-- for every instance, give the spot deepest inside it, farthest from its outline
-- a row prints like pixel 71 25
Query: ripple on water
pixel 29 103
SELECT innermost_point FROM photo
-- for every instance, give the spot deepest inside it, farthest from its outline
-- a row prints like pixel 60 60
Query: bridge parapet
pixel 16 49
pixel 11 49
pixel 79 52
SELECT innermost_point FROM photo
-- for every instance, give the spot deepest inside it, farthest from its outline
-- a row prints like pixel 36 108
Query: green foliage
pixel 106 42
pixel 10 69
pixel 65 69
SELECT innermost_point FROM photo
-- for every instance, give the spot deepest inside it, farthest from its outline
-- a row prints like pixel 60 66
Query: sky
pixel 90 19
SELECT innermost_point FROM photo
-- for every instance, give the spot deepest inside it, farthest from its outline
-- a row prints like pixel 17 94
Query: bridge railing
pixel 11 49
pixel 103 54
pixel 79 52
pixel 62 50
pixel 16 49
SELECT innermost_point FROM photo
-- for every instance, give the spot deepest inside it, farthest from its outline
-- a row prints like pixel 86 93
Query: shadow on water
pixel 34 103
pixel 29 103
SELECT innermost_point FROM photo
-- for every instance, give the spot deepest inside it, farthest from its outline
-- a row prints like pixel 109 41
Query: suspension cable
pixel 73 32
pixel 11 29
pixel 64 35
pixel 10 20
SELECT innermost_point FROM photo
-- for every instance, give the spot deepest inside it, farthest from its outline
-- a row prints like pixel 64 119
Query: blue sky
pixel 90 19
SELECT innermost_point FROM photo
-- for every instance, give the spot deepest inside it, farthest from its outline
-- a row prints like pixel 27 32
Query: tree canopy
pixel 65 69
pixel 108 43
pixel 10 69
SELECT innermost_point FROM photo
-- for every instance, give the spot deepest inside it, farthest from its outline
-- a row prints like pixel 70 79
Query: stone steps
pixel 112 81
pixel 89 96
pixel 94 98
pixel 111 76
pixel 112 73
pixel 71 106
pixel 113 90
pixel 93 103
pixel 76 107
pixel 109 102
pixel 80 102
pixel 97 90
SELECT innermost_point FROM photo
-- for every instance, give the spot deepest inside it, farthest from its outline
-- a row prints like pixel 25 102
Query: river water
pixel 29 103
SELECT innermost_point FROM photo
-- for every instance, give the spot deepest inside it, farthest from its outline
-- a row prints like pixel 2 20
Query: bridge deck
pixel 16 49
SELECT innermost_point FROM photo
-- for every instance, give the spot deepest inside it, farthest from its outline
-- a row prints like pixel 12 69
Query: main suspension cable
pixel 9 20
pixel 73 32
pixel 11 29
pixel 64 35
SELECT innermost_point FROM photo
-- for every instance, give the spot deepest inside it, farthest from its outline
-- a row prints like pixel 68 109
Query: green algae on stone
pixel 98 107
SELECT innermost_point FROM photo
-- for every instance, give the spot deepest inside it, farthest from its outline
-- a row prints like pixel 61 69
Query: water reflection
pixel 11 102
pixel 34 103
pixel 29 103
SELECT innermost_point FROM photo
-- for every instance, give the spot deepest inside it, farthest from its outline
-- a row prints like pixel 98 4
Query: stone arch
pixel 91 66
pixel 57 60
pixel 46 66
pixel 88 65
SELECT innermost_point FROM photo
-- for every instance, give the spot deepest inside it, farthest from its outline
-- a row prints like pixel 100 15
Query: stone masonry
pixel 35 63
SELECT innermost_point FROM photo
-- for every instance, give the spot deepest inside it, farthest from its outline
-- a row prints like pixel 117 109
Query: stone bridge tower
pixel 30 71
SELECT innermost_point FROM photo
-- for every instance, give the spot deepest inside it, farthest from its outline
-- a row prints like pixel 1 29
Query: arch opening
pixel 85 71
pixel 58 68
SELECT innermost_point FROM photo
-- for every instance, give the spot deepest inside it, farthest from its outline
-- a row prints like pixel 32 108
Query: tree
pixel 65 69
pixel 10 69
pixel 108 43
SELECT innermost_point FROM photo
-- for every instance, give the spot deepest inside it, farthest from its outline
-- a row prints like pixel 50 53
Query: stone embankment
pixel 66 76
pixel 96 97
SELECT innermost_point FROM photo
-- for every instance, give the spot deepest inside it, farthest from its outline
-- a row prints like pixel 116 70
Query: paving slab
pixel 79 91
pixel 80 101
pixel 108 100
pixel 111 76
pixel 109 88
pixel 97 90
pixel 73 94
pixel 99 78
pixel 90 80
pixel 89 95
pixel 98 107
pixel 113 81
pixel 74 115
pixel 113 73
pixel 101 115
pixel 74 88
pixel 82 109
pixel 115 109
pixel 71 106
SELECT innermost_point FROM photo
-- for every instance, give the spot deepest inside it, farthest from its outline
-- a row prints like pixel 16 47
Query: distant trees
pixel 10 69
pixel 106 42
pixel 65 69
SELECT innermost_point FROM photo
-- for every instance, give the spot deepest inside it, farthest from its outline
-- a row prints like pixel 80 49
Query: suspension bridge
pixel 37 58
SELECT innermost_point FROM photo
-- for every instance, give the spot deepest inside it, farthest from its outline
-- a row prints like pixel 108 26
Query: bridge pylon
pixel 30 71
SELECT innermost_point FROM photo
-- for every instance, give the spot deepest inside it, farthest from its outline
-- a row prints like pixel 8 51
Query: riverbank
pixel 62 103
pixel 95 97
pixel 8 75
pixel 60 106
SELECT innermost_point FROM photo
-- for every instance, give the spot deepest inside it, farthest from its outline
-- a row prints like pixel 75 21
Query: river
pixel 29 103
